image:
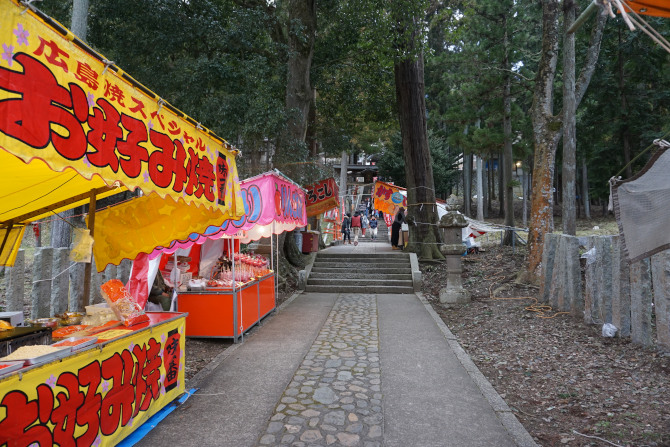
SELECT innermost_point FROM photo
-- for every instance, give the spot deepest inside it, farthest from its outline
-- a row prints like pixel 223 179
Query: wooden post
pixel 87 269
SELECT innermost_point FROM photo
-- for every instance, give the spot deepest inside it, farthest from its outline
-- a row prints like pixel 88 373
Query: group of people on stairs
pixel 359 223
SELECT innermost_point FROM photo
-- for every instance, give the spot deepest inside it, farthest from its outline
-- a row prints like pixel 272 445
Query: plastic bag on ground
pixel 609 330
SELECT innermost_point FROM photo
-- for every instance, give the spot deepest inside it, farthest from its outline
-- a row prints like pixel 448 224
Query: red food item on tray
pixel 68 330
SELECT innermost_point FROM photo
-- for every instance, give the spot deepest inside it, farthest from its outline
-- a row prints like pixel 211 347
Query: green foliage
pixel 445 164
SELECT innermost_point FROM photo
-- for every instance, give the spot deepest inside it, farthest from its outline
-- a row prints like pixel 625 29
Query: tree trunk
pixel 508 157
pixel 422 210
pixel 467 185
pixel 301 36
pixel 79 18
pixel 547 128
pixel 623 115
pixel 569 123
pixel 585 191
pixel 480 189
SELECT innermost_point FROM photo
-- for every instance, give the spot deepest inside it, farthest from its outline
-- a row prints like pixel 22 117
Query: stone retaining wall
pixel 57 283
pixel 609 289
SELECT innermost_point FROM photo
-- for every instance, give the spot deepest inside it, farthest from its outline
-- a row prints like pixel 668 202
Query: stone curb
pixel 195 381
pixel 516 431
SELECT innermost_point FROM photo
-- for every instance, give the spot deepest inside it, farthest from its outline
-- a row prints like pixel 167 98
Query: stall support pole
pixel 231 252
pixel 87 268
pixel 277 265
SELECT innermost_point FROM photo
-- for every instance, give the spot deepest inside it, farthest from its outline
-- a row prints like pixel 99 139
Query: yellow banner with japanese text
pixel 387 198
pixel 96 397
pixel 65 104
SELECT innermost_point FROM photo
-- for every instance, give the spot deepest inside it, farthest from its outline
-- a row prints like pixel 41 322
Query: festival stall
pixel 224 292
pixel 74 128
pixel 321 198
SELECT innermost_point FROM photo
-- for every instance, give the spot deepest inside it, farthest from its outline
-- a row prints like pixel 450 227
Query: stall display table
pixel 100 394
pixel 218 313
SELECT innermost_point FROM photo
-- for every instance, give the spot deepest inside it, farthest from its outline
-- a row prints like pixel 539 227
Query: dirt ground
pixel 566 383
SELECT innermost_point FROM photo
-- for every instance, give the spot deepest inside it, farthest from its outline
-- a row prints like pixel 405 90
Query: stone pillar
pixel 548 261
pixel 451 227
pixel 15 283
pixel 573 299
pixel 41 293
pixel 660 274
pixel 620 289
pixel 61 283
pixel 123 271
pixel 640 302
pixel 77 287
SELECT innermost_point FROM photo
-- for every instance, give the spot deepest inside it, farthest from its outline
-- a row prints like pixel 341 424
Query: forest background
pixel 293 83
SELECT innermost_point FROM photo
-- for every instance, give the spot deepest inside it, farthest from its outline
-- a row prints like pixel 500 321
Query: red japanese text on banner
pixel 61 104
pixel 321 197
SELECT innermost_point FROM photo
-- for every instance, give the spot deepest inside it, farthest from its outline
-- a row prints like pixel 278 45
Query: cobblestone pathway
pixel 335 396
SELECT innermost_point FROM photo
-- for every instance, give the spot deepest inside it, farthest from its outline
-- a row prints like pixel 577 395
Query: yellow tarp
pixel 31 187
pixel 140 225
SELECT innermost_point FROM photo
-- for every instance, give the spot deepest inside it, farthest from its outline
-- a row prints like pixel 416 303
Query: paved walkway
pixel 344 370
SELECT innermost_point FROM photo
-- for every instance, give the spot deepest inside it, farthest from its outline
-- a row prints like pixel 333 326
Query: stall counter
pixel 101 394
pixel 216 313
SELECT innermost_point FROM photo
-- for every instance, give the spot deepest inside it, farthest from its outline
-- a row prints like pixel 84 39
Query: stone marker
pixel 61 283
pixel 548 261
pixel 15 283
pixel 660 273
pixel 640 302
pixel 620 289
pixel 40 294
pixel 451 226
pixel 77 287
pixel 572 299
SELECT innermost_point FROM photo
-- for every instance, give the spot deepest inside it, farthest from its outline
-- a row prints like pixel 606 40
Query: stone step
pixel 344 270
pixel 362 282
pixel 359 275
pixel 391 256
pixel 375 264
pixel 358 289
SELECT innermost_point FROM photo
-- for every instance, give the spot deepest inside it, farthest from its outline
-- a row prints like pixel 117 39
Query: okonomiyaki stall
pixel 74 128
pixel 227 292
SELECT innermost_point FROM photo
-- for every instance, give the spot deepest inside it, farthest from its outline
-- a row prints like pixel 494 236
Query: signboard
pixel 96 397
pixel 388 198
pixel 60 102
pixel 321 197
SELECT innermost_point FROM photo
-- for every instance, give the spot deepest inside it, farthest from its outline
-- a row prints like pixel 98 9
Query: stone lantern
pixel 451 226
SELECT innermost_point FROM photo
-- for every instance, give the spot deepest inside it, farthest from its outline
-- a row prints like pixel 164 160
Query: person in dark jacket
pixel 395 228
pixel 346 228
pixel 373 227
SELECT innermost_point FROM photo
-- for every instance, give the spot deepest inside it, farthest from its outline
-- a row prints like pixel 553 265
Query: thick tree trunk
pixel 569 123
pixel 467 185
pixel 507 159
pixel 585 191
pixel 301 36
pixel 480 189
pixel 547 128
pixel 422 210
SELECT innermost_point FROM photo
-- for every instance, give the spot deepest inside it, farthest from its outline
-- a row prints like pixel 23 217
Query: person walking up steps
pixel 373 227
pixel 364 223
pixel 356 225
pixel 346 229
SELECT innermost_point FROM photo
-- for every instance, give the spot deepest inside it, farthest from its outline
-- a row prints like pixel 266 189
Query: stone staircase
pixel 361 273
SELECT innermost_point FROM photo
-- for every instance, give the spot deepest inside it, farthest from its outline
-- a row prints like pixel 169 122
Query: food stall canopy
pixel 658 8
pixel 66 105
pixel 273 203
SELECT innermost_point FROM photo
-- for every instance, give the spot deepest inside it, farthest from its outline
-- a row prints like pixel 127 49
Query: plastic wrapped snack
pixel 124 306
